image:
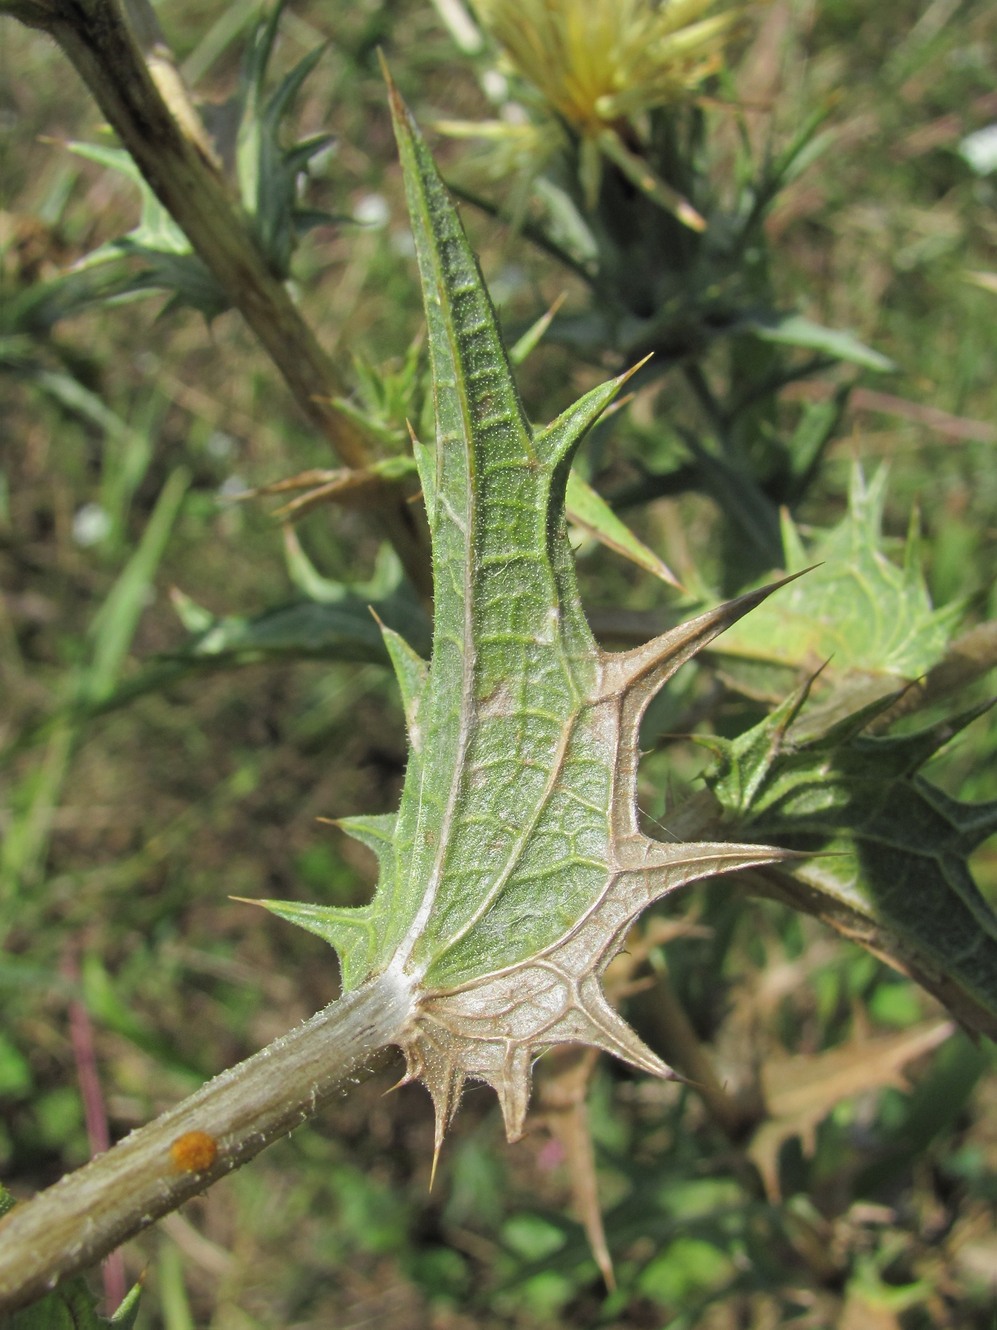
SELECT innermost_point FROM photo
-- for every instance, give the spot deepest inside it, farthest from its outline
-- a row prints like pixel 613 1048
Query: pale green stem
pixel 88 1213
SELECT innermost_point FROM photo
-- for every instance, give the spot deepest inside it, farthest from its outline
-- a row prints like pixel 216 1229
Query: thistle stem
pixel 139 92
pixel 88 1213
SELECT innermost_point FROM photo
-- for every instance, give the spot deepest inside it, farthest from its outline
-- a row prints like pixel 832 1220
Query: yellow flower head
pixel 599 62
pixel 599 66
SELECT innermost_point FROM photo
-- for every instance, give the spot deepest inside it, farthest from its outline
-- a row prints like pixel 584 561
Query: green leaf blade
pixel 856 609
pixel 516 864
pixel 498 600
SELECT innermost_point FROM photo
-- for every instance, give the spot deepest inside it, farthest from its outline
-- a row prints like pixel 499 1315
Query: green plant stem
pixel 76 1222
pixel 142 98
pixel 726 477
pixel 860 923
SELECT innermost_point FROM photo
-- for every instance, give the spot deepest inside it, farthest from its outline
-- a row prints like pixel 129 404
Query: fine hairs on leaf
pixel 515 866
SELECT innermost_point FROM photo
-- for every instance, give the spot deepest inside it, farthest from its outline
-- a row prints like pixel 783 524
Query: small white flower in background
pixel 372 210
pixel 402 242
pixel 495 85
pixel 231 488
pixel 220 445
pixel 91 525
pixel 980 150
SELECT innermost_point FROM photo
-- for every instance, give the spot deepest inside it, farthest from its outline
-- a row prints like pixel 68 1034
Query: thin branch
pixel 164 137
pixel 88 1213
pixel 681 1046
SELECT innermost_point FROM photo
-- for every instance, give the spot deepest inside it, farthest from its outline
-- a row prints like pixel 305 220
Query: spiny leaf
pixel 588 510
pixel 269 180
pixel 350 931
pixel 857 610
pixel 270 174
pixel 516 864
pixel 897 877
pixel 800 1091
pixel 169 260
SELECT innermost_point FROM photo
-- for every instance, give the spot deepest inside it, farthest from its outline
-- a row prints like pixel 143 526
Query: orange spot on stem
pixel 194 1152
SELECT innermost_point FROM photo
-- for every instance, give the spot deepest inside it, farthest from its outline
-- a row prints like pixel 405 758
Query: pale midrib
pixel 569 726
pixel 613 870
pixel 468 674
pixel 516 850
pixel 468 653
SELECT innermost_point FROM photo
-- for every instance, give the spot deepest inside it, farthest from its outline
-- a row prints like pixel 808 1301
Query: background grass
pixel 124 837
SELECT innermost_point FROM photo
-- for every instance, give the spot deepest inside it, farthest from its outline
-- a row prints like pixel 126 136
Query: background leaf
pixel 891 869
pixel 855 611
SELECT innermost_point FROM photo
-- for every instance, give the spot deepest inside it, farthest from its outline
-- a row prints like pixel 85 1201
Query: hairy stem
pixel 137 88
pixel 88 1213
